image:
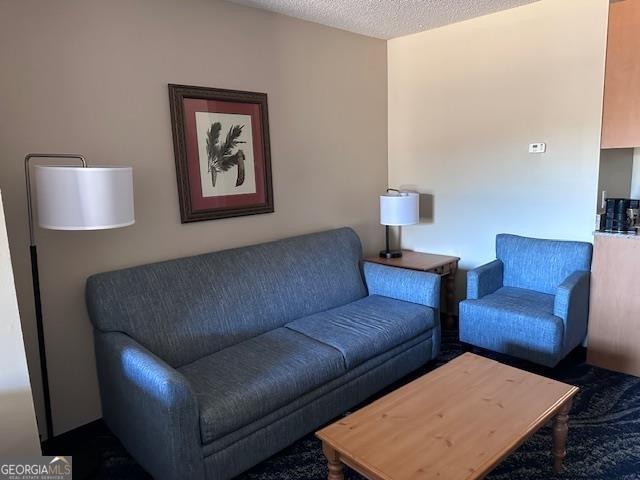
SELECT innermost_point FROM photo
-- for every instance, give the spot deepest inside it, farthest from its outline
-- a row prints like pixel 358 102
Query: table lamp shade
pixel 84 198
pixel 397 209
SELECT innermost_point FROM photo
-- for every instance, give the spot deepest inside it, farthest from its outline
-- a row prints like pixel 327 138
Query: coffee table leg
pixel 560 429
pixel 333 462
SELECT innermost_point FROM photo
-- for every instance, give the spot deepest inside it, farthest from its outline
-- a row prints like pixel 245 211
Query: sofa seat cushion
pixel 367 327
pixel 515 321
pixel 249 380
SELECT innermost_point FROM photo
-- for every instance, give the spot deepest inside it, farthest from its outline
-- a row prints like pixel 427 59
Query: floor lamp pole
pixel 36 285
pixel 41 346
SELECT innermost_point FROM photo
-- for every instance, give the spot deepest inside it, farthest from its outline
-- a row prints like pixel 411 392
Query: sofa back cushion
pixel 540 265
pixel 184 309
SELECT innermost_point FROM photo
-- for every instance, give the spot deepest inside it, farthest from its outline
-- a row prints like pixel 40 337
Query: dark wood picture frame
pixel 184 101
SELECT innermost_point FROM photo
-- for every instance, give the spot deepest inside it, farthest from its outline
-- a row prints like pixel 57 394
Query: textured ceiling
pixel 384 18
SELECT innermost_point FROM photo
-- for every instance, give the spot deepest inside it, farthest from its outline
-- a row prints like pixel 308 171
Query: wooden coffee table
pixel 457 422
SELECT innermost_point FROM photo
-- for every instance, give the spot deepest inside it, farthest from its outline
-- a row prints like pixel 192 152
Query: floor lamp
pixel 72 198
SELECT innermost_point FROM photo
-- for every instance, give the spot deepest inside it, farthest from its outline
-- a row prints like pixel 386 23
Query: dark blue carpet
pixel 604 433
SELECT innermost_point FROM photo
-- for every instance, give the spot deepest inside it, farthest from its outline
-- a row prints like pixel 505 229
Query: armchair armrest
pixel 150 406
pixel 484 280
pixel 402 284
pixel 572 305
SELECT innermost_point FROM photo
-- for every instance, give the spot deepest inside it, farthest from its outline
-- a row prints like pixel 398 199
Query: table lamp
pixel 73 198
pixel 397 209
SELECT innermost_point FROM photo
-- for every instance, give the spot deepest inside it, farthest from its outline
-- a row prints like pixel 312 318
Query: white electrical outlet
pixel 537 147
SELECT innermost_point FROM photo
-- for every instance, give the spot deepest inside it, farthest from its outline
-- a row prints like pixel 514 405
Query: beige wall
pixel 614 175
pixel 91 76
pixel 465 101
pixel 19 433
pixel 635 179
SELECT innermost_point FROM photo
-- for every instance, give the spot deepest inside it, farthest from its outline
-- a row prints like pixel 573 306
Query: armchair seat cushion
pixel 367 327
pixel 519 300
pixel 514 321
pixel 242 383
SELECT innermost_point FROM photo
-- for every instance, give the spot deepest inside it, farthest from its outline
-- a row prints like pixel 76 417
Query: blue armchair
pixel 532 302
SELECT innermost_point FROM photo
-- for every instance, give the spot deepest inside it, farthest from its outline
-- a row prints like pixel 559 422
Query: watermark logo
pixel 35 468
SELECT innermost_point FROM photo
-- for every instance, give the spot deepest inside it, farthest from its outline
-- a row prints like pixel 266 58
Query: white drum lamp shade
pixel 399 208
pixel 84 198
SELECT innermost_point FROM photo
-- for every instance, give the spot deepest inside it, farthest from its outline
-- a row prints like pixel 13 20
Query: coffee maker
pixel 621 215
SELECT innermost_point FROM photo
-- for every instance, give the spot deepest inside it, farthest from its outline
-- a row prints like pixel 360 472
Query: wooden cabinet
pixel 614 316
pixel 621 109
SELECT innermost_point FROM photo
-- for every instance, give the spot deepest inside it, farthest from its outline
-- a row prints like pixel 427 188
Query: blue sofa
pixel 532 302
pixel 210 364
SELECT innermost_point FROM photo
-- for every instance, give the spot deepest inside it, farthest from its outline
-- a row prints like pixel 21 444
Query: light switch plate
pixel 537 147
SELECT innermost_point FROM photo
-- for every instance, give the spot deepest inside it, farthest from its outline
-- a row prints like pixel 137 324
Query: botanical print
pixel 225 148
pixel 223 159
pixel 219 156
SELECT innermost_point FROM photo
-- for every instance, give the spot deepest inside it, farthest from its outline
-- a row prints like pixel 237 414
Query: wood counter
pixel 614 316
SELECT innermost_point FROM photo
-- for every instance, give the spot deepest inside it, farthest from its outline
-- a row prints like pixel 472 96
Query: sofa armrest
pixel 402 284
pixel 572 305
pixel 484 280
pixel 150 406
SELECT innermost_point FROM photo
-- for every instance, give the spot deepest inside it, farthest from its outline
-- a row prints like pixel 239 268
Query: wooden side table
pixel 443 265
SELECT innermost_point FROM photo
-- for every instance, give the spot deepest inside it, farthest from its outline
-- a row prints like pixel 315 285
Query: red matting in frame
pixel 198 201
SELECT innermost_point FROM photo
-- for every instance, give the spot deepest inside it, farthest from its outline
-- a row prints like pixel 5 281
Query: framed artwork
pixel 222 153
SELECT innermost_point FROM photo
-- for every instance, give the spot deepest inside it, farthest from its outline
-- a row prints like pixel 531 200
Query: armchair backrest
pixel 540 265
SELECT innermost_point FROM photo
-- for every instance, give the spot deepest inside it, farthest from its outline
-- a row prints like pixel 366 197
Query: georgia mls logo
pixel 36 468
